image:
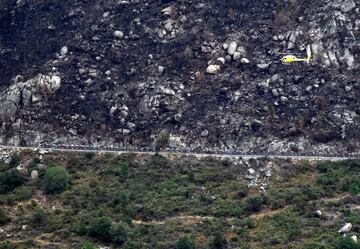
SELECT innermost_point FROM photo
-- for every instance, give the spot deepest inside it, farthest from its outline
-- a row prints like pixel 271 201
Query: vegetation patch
pixel 128 201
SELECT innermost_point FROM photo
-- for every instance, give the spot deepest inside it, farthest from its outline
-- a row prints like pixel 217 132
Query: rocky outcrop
pixel 23 94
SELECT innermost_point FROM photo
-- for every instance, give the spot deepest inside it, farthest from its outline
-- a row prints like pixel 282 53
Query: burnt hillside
pixel 209 72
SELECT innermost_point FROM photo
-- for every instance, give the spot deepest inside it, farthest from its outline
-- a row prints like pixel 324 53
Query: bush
pixel 118 234
pixel 56 180
pixel 3 217
pixel 346 243
pixel 100 228
pixel 38 217
pixel 14 160
pixel 185 243
pixel 253 204
pixel 219 241
pixel 162 140
pixel 80 229
pixel 351 185
pixel 88 245
pixel 89 155
pixel 10 180
pixel 124 171
pixel 22 193
pixel 131 245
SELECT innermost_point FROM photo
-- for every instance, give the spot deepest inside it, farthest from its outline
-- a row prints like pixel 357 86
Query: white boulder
pixel 118 34
pixel 213 69
pixel 232 48
pixel 354 238
pixel 346 228
pixel 64 50
pixel 318 213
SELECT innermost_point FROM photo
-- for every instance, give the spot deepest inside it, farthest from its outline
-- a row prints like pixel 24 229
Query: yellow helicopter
pixel 289 58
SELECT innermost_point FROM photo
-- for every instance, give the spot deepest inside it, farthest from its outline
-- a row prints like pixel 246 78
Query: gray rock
pixel 206 49
pixel 73 132
pixel 221 60
pixel 264 85
pixel 168 91
pixel 204 133
pixel 64 50
pixel 10 101
pixel 17 125
pixel 237 56
pixel 118 34
pixel 167 11
pixel 275 92
pixel 232 48
pixel 348 88
pixel 346 228
pixel 274 78
pixel 318 213
pixel 354 238
pixel 263 65
pixel 161 69
pixel 178 117
pixel 347 6
pixel 348 59
pixel 168 26
pixel 244 61
pixel 131 125
pixel 292 40
pixel 126 131
pixel 213 69
pixel 34 174
pixel 26 96
pixel 281 37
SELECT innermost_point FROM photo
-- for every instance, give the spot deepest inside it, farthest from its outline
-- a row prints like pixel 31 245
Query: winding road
pixel 171 153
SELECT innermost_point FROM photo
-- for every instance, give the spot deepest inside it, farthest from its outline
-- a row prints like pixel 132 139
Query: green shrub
pixel 88 245
pixel 56 180
pixel 118 234
pixel 346 243
pixel 14 160
pixel 185 243
pixel 3 217
pixel 330 180
pixel 253 204
pixel 89 155
pixel 162 140
pixel 38 217
pixel 121 170
pixel 33 164
pixel 22 193
pixel 100 228
pixel 351 185
pixel 243 191
pixel 124 171
pixel 219 241
pixel 80 229
pixel 131 245
pixel 10 180
pixel 314 245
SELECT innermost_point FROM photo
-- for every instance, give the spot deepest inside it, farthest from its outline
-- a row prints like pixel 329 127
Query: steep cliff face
pixel 119 72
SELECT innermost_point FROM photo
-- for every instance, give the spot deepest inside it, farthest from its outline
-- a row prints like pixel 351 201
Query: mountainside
pixel 112 72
